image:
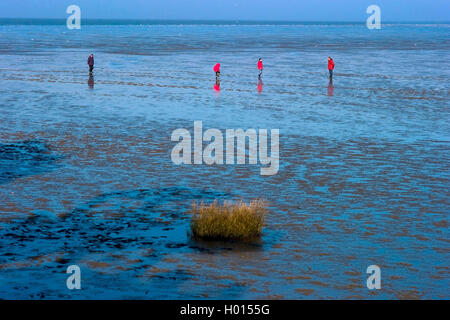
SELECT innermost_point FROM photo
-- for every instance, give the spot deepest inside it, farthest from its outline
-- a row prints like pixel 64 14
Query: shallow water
pixel 86 176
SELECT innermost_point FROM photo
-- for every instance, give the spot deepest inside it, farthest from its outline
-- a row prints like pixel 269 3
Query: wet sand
pixel 86 176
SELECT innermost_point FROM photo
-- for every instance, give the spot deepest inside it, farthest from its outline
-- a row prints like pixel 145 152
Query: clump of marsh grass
pixel 228 221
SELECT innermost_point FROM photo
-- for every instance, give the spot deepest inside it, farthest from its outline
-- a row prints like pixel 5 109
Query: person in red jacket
pixel 330 67
pixel 217 70
pixel 260 68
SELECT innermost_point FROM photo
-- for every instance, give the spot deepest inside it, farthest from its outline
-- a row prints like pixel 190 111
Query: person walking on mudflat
pixel 260 67
pixel 217 71
pixel 90 62
pixel 330 67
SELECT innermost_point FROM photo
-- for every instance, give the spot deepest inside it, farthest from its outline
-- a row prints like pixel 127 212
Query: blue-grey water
pixel 86 176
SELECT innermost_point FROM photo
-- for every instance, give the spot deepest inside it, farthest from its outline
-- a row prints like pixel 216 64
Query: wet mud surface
pixel 86 176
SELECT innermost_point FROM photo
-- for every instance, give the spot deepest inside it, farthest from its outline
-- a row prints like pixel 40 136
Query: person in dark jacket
pixel 90 62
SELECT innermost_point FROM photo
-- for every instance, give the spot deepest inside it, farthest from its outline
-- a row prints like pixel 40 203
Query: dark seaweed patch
pixel 25 158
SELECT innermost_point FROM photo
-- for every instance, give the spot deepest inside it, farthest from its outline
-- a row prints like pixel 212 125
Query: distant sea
pixel 34 21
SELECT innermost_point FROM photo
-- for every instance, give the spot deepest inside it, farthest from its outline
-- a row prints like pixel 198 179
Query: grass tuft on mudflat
pixel 228 221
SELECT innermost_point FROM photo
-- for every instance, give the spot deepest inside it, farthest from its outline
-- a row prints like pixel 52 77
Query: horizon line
pixel 224 20
pixel 137 21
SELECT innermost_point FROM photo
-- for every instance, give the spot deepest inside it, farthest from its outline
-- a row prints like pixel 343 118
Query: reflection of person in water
pixel 330 88
pixel 91 81
pixel 217 85
pixel 260 86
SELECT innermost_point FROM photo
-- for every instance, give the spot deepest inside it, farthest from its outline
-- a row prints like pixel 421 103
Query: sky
pixel 292 10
